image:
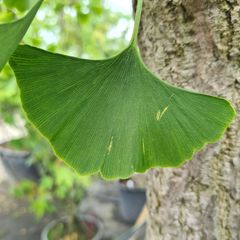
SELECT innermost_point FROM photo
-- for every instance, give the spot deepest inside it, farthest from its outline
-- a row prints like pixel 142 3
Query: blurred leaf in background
pixel 22 5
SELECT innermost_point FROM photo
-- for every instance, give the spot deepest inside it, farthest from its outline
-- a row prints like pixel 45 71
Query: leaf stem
pixel 137 22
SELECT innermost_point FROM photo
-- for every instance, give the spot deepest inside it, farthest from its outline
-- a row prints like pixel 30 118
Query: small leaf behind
pixel 12 33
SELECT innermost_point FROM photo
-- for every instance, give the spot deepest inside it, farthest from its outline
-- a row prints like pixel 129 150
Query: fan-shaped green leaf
pixel 113 115
pixel 12 33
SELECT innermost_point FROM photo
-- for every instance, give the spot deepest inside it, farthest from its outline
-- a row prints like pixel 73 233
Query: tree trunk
pixel 195 44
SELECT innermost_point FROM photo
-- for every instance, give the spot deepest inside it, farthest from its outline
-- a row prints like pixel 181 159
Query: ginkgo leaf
pixel 114 116
pixel 12 33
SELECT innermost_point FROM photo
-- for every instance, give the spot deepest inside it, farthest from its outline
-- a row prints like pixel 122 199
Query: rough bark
pixel 196 45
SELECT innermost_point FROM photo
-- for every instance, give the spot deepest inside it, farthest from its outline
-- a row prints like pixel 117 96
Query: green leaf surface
pixel 113 116
pixel 12 33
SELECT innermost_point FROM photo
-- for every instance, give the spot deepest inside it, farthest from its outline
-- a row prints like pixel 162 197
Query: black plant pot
pixel 131 202
pixel 15 164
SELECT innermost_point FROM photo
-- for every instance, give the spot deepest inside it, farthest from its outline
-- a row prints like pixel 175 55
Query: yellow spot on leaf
pixel 143 146
pixel 110 145
pixel 160 114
